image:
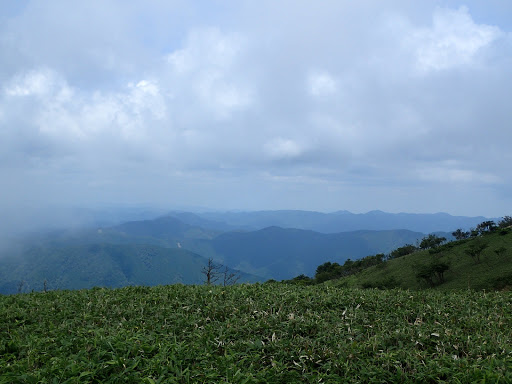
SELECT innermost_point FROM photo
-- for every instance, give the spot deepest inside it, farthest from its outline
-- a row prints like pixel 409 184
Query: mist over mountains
pixel 175 248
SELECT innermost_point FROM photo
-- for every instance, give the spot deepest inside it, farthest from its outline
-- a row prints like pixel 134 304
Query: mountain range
pixel 282 253
pixel 176 247
pixel 340 221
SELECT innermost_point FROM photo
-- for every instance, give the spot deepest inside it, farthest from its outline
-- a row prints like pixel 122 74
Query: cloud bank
pixel 257 105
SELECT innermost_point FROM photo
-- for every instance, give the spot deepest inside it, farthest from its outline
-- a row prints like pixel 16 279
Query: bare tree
pixel 21 284
pixel 230 278
pixel 211 272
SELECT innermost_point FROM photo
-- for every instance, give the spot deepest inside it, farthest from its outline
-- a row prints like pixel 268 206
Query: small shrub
pixel 433 273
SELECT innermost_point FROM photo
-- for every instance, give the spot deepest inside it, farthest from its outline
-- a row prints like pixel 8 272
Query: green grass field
pixel 261 333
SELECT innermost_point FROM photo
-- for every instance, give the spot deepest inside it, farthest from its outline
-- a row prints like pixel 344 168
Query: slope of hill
pixel 343 221
pixel 108 265
pixel 199 221
pixel 277 253
pixel 165 231
pixel 491 270
pixel 165 228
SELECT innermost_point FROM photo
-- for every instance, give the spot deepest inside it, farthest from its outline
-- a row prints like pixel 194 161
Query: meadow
pixel 255 333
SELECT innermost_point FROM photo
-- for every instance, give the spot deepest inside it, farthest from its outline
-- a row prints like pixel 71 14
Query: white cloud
pixel 36 82
pixel 453 40
pixel 145 96
pixel 321 83
pixel 350 95
pixel 207 47
pixel 65 113
pixel 208 64
pixel 280 149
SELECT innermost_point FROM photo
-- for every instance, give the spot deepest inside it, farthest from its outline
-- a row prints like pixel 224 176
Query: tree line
pixel 432 273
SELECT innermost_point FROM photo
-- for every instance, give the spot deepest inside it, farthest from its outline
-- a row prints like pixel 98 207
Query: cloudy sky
pixel 402 106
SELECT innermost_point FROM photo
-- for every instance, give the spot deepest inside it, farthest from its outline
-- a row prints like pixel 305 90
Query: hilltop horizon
pixel 399 107
pixel 75 216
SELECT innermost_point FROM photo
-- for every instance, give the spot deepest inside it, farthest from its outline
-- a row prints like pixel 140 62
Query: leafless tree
pixel 211 272
pixel 21 284
pixel 230 278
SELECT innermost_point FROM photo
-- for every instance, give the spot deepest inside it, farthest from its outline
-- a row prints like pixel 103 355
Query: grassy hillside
pixel 278 253
pixel 107 265
pixel 261 333
pixel 493 271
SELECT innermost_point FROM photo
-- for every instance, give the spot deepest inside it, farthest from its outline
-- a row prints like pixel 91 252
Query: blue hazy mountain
pixel 279 253
pixel 272 252
pixel 341 221
pixel 105 265
pixel 270 244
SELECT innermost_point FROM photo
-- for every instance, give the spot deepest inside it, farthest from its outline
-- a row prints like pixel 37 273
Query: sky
pixel 401 106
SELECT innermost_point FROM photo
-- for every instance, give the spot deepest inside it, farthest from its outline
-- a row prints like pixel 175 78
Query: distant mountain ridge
pixel 269 244
pixel 166 228
pixel 282 253
pixel 340 221
pixel 272 252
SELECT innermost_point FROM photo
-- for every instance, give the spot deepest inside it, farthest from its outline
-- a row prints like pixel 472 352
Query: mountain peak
pixel 376 212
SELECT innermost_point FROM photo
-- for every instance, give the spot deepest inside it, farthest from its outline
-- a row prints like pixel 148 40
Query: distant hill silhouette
pixel 341 221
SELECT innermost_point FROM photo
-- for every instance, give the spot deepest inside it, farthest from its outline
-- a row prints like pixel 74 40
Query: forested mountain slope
pixel 106 265
pixel 277 253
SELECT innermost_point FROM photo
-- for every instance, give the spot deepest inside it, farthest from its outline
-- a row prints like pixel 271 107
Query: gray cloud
pixel 393 106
